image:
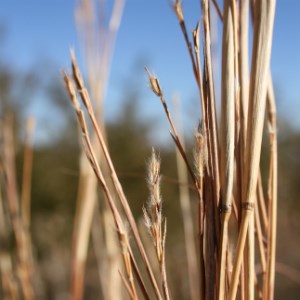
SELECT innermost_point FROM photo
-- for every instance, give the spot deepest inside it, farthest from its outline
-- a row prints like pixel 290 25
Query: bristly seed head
pixel 154 83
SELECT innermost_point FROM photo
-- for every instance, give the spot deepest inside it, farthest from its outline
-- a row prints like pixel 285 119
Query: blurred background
pixel 35 41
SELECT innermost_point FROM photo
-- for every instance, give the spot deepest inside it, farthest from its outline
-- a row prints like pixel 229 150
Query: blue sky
pixel 149 34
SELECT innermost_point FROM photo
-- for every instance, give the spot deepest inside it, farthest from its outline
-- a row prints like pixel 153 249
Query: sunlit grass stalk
pixel 90 153
pixel 86 102
pixel 262 205
pixel 97 39
pixel 227 138
pixel 200 158
pixel 212 128
pixel 187 216
pixel 272 191
pixel 260 241
pixel 157 90
pixel 263 28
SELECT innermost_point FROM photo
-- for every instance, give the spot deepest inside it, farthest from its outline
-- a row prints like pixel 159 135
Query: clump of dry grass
pixel 226 168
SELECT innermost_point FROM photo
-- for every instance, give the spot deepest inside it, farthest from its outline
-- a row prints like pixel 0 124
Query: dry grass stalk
pixel 218 9
pixel 227 136
pixel 23 249
pixel 117 186
pixel 87 145
pixel 263 27
pixel 123 237
pixel 211 115
pixel 272 188
pixel 157 90
pixel 157 227
pixel 241 137
pixel 187 216
pixel 200 158
pixel 260 240
pixel 262 204
pixel 177 6
pixel 98 43
pixel 27 172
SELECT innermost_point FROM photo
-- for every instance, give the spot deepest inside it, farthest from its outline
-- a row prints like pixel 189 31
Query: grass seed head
pixel 154 84
pixel 178 10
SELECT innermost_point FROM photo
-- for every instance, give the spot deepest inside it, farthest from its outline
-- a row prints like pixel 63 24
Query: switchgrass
pixel 226 169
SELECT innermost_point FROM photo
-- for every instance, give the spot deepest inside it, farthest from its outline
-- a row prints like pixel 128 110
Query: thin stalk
pixel 262 204
pixel 212 129
pixel 127 287
pixel 97 38
pixel 260 241
pixel 27 173
pixel 273 193
pixel 88 148
pixel 200 159
pixel 187 216
pixel 179 13
pixel 23 250
pixel 86 101
pixel 218 9
pixel 227 137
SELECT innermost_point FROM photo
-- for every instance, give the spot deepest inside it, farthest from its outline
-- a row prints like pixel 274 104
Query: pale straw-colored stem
pixel 260 240
pixel 262 204
pixel 87 103
pixel 227 137
pixel 97 37
pixel 263 29
pixel 187 216
pixel 272 192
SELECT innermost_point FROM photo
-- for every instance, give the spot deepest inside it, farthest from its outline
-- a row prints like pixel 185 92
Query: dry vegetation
pixel 234 219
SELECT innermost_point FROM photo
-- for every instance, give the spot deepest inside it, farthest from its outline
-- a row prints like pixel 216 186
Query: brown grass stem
pixel 211 115
pixel 218 9
pixel 27 173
